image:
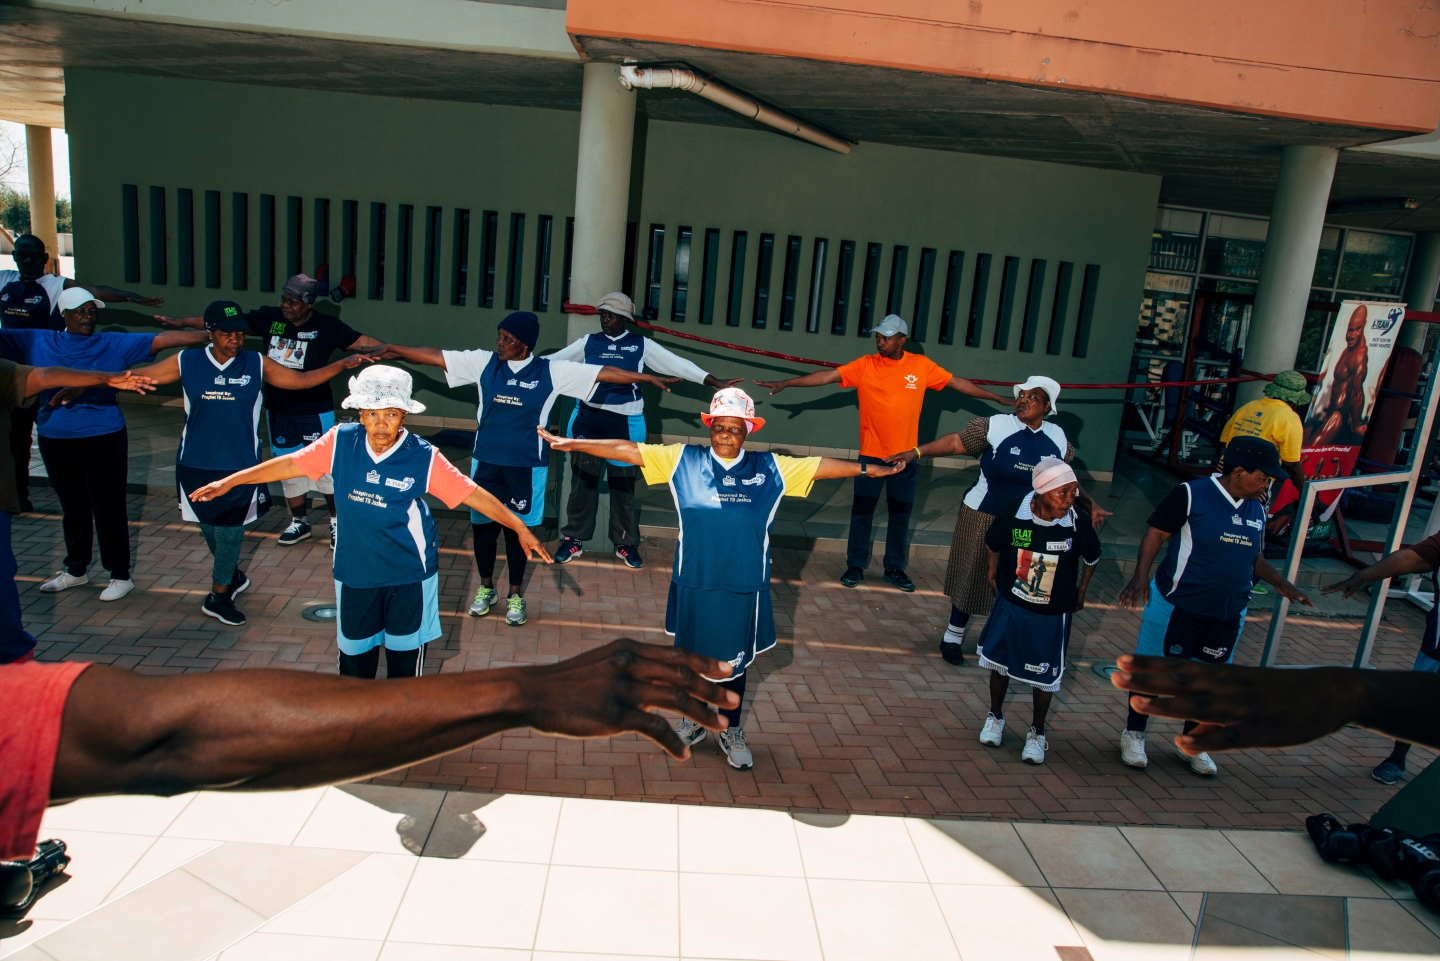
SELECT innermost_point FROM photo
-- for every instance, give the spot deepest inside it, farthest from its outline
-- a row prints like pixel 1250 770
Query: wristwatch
pixel 863 471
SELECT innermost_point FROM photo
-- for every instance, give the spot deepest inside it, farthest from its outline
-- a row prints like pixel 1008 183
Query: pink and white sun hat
pixel 733 402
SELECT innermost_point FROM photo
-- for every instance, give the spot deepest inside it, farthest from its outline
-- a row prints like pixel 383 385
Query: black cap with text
pixel 1254 453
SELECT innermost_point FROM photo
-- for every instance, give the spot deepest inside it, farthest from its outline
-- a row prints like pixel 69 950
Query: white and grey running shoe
pixel 690 732
pixel 994 727
pixel 514 610
pixel 1132 748
pixel 736 748
pixel 1035 748
pixel 1200 763
pixel 485 598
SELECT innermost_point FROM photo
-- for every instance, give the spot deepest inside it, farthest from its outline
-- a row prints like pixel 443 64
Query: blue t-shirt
pixel 94 412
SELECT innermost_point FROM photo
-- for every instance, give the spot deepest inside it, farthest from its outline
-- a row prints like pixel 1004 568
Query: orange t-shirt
pixel 891 395
pixel 35 695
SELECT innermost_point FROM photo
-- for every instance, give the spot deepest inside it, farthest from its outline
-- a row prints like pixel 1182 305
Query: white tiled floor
pixel 363 873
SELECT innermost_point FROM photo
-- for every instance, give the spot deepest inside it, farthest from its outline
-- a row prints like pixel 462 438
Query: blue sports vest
pixel 385 534
pixel 512 405
pixel 725 518
pixel 25 305
pixel 627 353
pixel 1005 468
pixel 222 410
pixel 1209 567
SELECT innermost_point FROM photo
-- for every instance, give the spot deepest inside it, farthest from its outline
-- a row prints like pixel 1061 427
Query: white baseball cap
pixel 1050 387
pixel 72 298
pixel 892 324
pixel 379 387
pixel 733 402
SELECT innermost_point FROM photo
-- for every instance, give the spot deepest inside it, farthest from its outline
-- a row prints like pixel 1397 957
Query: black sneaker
pixel 852 576
pixel 901 580
pixel 630 554
pixel 952 652
pixel 223 609
pixel 238 582
pixel 568 550
pixel 298 530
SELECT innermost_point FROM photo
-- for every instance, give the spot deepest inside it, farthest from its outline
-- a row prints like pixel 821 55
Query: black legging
pixel 397 663
pixel 736 684
pixel 1135 721
pixel 485 550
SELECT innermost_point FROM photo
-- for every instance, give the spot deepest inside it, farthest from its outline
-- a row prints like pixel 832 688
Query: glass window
pixel 1234 246
pixel 1165 309
pixel 1327 259
pixel 1373 263
pixel 1175 243
pixel 1314 334
pixel 1226 322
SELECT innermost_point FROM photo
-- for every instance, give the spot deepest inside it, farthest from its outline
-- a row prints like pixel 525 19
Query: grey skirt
pixel 967 575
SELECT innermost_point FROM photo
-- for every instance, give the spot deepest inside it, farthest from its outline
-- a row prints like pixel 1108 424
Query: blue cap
pixel 524 325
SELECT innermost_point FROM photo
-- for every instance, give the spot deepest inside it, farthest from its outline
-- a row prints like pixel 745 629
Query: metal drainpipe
pixel 660 78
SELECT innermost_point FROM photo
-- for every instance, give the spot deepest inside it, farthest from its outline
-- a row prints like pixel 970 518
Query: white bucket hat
pixel 617 303
pixel 734 402
pixel 379 387
pixel 1050 387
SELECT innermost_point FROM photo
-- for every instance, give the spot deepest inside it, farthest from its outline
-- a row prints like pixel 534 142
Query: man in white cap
pixel 614 412
pixel 890 385
pixel 387 551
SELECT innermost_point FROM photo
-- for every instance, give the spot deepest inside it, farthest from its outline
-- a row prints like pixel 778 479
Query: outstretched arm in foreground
pixel 1403 561
pixel 47 378
pixel 256 730
pixel 818 378
pixel 625 451
pixel 1240 707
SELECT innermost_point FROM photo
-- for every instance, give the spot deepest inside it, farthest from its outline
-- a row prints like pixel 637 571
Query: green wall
pixel 147 131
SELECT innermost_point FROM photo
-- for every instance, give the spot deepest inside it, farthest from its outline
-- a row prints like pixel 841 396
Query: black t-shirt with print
pixel 1038 567
pixel 302 348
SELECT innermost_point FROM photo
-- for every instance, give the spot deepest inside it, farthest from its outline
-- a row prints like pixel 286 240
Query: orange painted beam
pixel 1333 61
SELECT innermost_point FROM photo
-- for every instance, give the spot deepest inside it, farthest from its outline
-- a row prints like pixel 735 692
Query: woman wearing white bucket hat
pixel 1008 446
pixel 387 548
pixel 719 601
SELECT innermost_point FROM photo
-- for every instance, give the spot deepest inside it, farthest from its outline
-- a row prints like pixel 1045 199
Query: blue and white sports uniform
pixel 221 435
pixel 509 459
pixel 387 550
pixel 1006 465
pixel 719 602
pixel 1207 573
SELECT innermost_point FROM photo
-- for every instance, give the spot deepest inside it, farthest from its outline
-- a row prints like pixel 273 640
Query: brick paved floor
pixel 854 711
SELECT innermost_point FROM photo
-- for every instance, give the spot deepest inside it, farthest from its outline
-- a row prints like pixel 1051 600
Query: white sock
pixel 953 635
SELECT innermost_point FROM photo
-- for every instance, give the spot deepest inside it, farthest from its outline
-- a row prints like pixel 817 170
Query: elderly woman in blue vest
pixel 1008 446
pixel 1195 605
pixel 1043 553
pixel 387 551
pixel 221 384
pixel 719 602
pixel 517 391
pixel 614 412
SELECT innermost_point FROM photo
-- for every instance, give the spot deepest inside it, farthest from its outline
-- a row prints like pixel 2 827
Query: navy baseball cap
pixel 1254 453
pixel 225 315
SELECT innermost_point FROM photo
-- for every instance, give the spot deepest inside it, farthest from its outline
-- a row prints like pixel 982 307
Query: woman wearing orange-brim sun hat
pixel 726 497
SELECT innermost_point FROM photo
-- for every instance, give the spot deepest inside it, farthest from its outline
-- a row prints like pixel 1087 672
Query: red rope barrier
pixel 585 309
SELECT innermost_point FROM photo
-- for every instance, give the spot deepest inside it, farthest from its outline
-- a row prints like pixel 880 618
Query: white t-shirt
pixel 572 380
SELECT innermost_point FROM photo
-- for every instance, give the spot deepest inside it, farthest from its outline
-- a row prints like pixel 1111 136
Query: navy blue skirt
pixel 721 624
pixel 240 506
pixel 1024 645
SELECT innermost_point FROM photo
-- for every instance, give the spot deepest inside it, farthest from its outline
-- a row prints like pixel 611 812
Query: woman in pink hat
pixel 726 497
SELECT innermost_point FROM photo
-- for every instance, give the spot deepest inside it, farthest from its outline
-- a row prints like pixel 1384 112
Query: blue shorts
pixel 721 624
pixel 291 432
pixel 1024 645
pixel 522 489
pixel 401 618
pixel 241 505
pixel 1426 664
pixel 1192 636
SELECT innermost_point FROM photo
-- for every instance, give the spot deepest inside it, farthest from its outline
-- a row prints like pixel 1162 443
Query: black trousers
pixel 586 470
pixel 22 423
pixel 397 663
pixel 88 475
pixel 485 536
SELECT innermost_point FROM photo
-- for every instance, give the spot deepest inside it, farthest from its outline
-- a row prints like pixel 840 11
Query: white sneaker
pixel 333 531
pixel 117 590
pixel 1132 748
pixel 1035 748
pixel 690 732
pixel 736 748
pixel 993 729
pixel 63 580
pixel 1200 763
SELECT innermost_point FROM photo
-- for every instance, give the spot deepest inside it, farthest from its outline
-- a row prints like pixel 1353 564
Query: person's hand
pixel 176 322
pixel 378 352
pixel 532 547
pixel 1240 707
pixel 903 458
pixel 555 441
pixel 776 386
pixel 719 384
pixel 883 470
pixel 210 491
pixel 147 301
pixel 66 395
pixel 1349 585
pixel 125 380
pixel 662 382
pixel 1098 516
pixel 1293 594
pixel 354 360
pixel 1079 602
pixel 614 690
pixel 1135 595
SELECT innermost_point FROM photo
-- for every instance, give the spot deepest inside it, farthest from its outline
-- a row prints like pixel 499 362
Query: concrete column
pixel 1297 216
pixel 1420 284
pixel 41 163
pixel 602 189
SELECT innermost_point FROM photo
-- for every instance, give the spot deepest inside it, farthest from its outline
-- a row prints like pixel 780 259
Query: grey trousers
pixel 586 470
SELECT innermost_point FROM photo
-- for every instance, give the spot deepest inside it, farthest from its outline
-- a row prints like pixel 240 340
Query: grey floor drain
pixel 1105 670
pixel 324 612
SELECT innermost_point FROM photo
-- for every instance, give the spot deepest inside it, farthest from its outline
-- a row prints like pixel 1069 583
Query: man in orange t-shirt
pixel 891 386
